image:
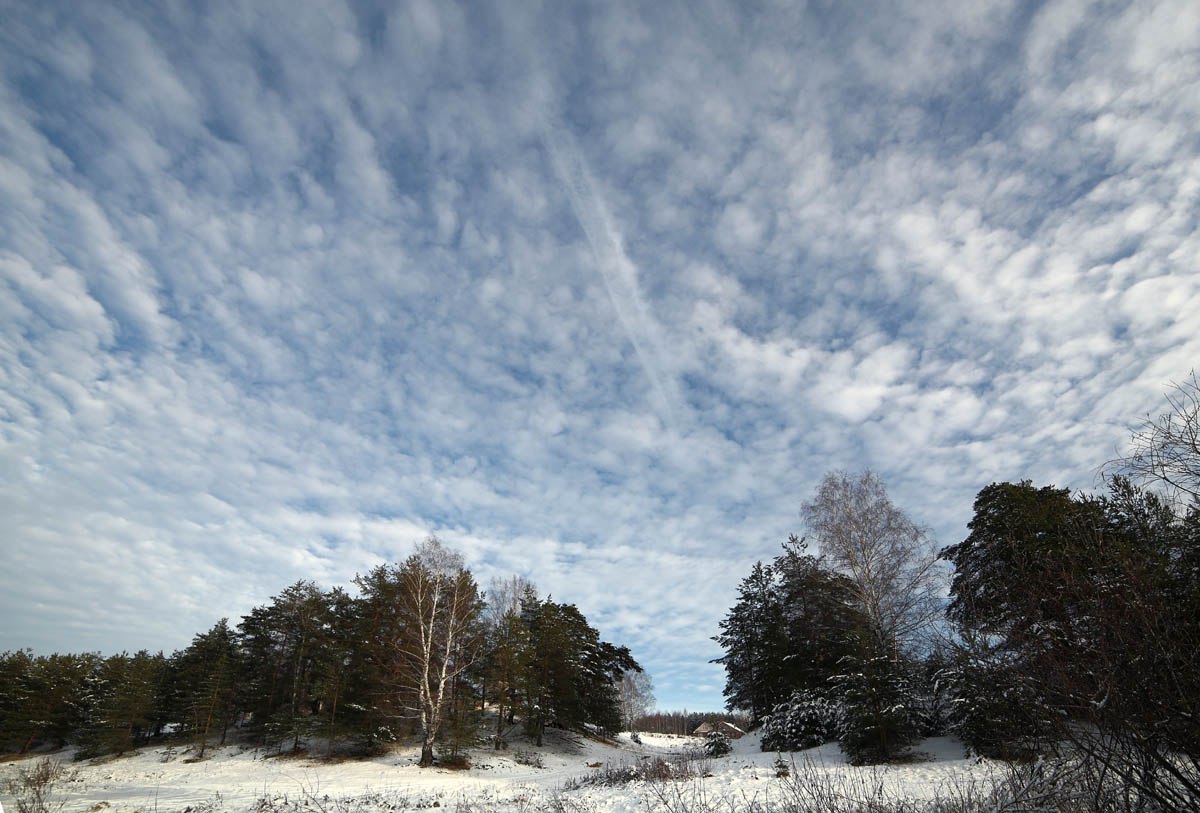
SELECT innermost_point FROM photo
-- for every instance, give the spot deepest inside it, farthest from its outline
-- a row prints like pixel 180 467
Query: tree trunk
pixel 426 753
pixel 500 723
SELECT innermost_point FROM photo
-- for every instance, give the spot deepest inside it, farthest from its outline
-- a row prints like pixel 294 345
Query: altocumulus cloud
pixel 595 293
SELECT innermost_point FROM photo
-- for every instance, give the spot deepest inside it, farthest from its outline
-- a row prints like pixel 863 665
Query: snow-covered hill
pixel 237 779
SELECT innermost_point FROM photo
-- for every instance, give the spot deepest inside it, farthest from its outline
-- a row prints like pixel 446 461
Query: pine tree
pixel 795 620
pixel 754 638
pixel 205 688
pixel 880 708
pixel 282 646
pixel 568 675
pixel 506 648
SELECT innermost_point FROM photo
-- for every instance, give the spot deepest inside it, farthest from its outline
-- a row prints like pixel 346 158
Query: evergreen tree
pixel 995 707
pixel 52 688
pixel 822 620
pixel 810 717
pixel 794 622
pixel 281 644
pixel 754 637
pixel 117 704
pixel 379 660
pixel 205 684
pixel 506 648
pixel 568 675
pixel 880 708
pixel 15 671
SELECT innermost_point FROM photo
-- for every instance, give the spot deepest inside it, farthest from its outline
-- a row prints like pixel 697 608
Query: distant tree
pixel 636 690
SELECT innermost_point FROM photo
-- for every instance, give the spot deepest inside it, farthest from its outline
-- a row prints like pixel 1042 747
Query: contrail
pixel 619 273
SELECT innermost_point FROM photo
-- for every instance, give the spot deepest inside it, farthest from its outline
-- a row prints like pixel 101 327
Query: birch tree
pixel 637 697
pixel 441 603
pixel 892 567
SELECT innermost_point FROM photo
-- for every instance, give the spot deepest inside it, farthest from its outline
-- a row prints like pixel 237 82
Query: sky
pixel 593 292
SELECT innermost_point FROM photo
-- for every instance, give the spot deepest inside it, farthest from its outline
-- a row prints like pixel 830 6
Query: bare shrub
pixel 33 788
pixel 691 764
pixel 530 758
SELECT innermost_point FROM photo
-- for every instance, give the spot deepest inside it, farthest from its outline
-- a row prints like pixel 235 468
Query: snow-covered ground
pixel 237 779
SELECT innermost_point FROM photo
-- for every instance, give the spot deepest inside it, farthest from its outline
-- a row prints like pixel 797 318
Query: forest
pixel 1063 625
pixel 419 651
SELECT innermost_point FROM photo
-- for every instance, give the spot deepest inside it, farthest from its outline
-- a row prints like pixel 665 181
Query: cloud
pixel 619 273
pixel 595 295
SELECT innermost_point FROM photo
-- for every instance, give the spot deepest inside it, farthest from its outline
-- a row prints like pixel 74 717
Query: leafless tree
pixel 442 605
pixel 892 566
pixel 1166 449
pixel 637 697
pixel 508 636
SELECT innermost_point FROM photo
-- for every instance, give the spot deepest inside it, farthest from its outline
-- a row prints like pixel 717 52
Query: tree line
pixel 1070 624
pixel 419 650
pixel 684 722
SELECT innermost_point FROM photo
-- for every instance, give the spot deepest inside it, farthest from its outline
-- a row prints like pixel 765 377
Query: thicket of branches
pixel 416 651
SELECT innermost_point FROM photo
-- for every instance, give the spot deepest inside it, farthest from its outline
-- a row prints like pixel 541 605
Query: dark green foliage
pixel 567 674
pixel 383 710
pixel 1081 615
pixel 809 718
pixel 42 698
pixel 314 668
pixel 880 710
pixel 284 657
pixel 204 685
pixel 717 744
pixel 996 709
pixel 933 691
pixel 117 705
pixel 1022 539
pixel 793 622
pixel 755 643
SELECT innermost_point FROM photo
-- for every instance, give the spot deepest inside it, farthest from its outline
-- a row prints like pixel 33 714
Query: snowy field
pixel 158 780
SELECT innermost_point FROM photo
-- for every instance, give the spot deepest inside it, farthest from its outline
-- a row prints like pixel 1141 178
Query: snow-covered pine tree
pixel 881 717
pixel 809 718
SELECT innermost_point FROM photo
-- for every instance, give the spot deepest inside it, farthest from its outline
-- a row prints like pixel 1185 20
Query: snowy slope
pixel 235 779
